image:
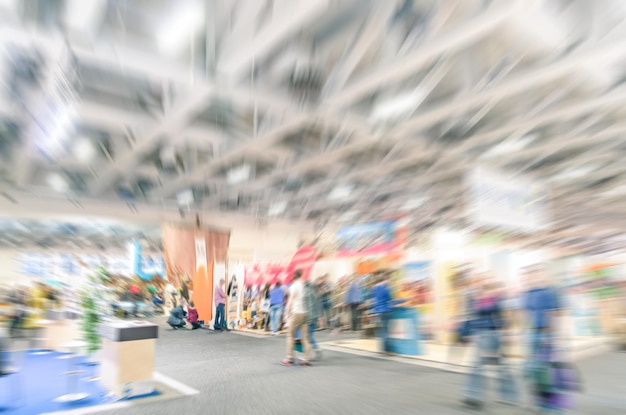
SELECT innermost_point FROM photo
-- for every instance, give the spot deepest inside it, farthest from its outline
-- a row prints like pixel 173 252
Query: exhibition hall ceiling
pixel 327 111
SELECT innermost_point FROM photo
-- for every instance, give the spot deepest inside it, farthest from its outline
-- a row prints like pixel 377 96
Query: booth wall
pixel 335 268
pixel 268 243
pixel 9 267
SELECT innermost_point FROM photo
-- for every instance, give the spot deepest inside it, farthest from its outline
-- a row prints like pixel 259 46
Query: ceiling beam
pixel 461 36
pixel 372 31
pixel 290 17
pixel 523 82
pixel 257 144
pixel 172 124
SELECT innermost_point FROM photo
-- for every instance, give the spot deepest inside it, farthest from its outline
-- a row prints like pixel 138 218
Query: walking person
pixel 354 299
pixel 314 312
pixel 220 307
pixel 487 326
pixel 277 305
pixel 382 308
pixel 326 298
pixel 541 304
pixel 297 321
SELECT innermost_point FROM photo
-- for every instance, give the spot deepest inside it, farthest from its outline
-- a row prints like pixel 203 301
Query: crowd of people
pixel 489 317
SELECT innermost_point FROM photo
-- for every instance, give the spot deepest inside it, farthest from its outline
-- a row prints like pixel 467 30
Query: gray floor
pixel 238 374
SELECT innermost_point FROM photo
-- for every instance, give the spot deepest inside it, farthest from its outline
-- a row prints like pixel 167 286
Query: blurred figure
pixel 220 307
pixel 177 317
pixel 184 289
pixel 541 304
pixel 338 297
pixel 297 321
pixel 354 299
pixel 382 307
pixel 487 325
pixel 326 298
pixel 314 312
pixel 466 297
pixel 5 360
pixel 277 305
pixel 192 316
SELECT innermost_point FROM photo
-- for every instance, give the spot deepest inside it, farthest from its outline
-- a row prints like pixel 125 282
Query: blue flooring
pixel 41 380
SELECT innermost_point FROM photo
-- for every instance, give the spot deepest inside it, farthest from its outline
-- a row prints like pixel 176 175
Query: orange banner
pixel 189 258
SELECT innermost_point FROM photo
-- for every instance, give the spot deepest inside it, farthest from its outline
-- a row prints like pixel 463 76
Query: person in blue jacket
pixel 382 307
pixel 487 326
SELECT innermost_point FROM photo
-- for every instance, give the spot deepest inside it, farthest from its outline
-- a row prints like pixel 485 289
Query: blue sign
pixel 145 267
pixel 367 238
pixel 417 271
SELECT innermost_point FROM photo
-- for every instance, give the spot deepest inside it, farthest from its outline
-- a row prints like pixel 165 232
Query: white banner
pixel 515 204
pixel 200 253
pixel 400 329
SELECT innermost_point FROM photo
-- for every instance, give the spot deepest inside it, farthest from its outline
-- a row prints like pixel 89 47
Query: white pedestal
pixel 127 358
pixel 57 333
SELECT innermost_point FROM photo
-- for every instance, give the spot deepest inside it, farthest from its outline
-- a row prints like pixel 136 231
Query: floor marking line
pixel 158 377
pixel 174 384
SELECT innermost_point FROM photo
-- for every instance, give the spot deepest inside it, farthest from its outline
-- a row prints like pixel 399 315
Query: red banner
pixel 303 260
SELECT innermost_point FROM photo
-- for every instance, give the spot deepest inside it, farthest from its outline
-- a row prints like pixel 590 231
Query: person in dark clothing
pixel 177 317
pixel 486 326
pixel 541 304
pixel 354 299
pixel 326 299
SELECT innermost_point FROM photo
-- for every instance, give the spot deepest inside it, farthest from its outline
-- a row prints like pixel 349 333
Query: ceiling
pixel 322 111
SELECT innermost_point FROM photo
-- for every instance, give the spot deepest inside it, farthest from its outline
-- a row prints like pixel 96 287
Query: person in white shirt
pixel 296 310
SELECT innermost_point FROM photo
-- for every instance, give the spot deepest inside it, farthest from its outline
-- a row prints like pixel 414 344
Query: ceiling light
pixel 348 216
pixel 82 15
pixel 400 105
pixel 277 208
pixel 185 20
pixel 576 173
pixel 341 192
pixel 185 198
pixel 616 191
pixel 57 182
pixel 84 150
pixel 55 129
pixel 238 174
pixel 413 203
pixel 511 146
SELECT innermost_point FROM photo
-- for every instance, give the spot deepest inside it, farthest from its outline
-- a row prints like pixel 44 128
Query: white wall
pixel 335 268
pixel 274 243
pixel 9 267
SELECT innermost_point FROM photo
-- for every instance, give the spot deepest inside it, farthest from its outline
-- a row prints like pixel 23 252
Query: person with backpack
pixel 314 312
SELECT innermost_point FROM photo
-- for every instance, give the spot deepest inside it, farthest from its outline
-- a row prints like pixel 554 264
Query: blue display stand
pixel 403 335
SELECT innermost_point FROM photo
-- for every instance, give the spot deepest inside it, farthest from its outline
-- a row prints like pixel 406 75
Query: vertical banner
pixel 202 282
pixel 303 260
pixel 190 254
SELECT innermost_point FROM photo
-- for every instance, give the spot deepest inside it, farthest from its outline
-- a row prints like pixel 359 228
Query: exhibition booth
pixel 92 307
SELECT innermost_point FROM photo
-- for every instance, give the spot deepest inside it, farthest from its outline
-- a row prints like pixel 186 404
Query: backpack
pixel 311 302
